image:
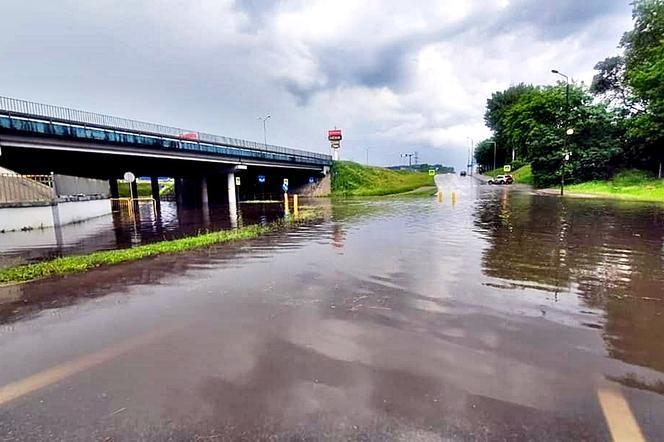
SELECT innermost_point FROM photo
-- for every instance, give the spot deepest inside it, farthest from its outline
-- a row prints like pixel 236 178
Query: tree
pixel 496 108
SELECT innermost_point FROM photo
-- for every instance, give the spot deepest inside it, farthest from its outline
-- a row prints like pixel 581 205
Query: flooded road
pixel 497 315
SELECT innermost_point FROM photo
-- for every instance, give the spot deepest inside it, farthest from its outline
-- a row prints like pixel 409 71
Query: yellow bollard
pixel 454 198
pixel 440 196
pixel 296 208
pixel 286 202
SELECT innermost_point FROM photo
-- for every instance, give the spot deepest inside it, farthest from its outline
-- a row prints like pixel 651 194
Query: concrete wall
pixel 34 217
pixel 73 185
pixel 39 217
pixel 76 211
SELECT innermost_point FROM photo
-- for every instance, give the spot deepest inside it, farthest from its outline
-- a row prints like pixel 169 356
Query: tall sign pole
pixel 334 136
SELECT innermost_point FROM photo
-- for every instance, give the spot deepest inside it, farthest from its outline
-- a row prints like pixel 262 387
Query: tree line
pixel 616 123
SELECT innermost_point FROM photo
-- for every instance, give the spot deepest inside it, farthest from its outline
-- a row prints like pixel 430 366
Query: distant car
pixel 462 173
pixel 502 179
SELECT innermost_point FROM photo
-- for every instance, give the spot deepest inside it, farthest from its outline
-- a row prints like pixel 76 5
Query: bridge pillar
pixel 204 192
pixel 113 183
pixel 179 191
pixel 154 184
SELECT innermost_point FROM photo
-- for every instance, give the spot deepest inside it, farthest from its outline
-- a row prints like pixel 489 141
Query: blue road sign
pixel 284 187
pixel 312 180
pixel 261 179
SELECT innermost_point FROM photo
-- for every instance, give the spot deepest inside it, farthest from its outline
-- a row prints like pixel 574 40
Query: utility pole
pixel 367 149
pixel 264 119
pixel 471 155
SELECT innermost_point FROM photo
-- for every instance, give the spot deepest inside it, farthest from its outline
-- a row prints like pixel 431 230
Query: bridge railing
pixel 50 112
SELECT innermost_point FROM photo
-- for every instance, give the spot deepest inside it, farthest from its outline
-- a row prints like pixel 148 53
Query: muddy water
pixel 498 314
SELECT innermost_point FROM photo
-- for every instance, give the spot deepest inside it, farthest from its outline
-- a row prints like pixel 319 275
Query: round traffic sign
pixel 129 177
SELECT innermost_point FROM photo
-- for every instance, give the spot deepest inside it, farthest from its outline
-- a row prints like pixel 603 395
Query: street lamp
pixel 264 120
pixel 569 131
pixel 471 155
pixel 410 158
pixel 367 149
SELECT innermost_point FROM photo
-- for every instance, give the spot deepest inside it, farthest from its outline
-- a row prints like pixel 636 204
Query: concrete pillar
pixel 232 200
pixel 179 192
pixel 113 183
pixel 204 192
pixel 154 184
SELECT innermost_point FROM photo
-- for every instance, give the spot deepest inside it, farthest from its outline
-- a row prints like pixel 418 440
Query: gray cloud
pixel 396 76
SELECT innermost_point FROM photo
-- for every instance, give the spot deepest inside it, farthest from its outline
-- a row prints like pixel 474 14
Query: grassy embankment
pixel 627 185
pixel 81 263
pixel 353 179
pixel 522 175
pixel 145 189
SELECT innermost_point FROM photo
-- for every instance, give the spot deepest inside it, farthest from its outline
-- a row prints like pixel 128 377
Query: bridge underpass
pixel 40 139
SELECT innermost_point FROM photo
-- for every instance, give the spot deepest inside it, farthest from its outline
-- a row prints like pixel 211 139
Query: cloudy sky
pixel 396 76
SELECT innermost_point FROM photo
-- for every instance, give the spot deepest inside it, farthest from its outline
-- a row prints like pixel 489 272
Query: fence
pixel 16 188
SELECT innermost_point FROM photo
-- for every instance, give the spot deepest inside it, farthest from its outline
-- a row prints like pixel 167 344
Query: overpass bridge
pixel 39 138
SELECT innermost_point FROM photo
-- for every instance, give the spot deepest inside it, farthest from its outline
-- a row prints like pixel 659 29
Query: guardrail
pixel 16 188
pixel 57 113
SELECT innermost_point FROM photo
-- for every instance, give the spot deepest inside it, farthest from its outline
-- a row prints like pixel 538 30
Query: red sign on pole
pixel 334 135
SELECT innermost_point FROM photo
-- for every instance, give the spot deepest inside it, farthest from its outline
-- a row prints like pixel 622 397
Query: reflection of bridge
pixel 37 138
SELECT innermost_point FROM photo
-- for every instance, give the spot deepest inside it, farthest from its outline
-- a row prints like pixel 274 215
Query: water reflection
pixel 120 231
pixel 608 253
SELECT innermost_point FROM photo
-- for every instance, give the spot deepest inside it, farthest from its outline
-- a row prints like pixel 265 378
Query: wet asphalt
pixel 496 315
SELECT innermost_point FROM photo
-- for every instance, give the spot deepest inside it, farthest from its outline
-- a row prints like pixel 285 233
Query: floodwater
pixel 498 314
pixel 118 230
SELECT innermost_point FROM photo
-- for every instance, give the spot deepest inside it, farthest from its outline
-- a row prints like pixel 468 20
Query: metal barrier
pixel 13 106
pixel 16 188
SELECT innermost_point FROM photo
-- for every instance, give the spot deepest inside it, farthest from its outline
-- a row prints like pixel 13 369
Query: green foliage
pixel 80 263
pixel 535 124
pixel 144 189
pixel 352 179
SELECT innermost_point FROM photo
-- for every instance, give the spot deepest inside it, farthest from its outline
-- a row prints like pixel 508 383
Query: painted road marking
pixel 56 374
pixel 619 417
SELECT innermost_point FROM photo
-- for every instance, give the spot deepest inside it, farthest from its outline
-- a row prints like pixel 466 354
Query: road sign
pixel 312 180
pixel 286 181
pixel 237 180
pixel 129 177
pixel 261 179
pixel 507 168
pixel 284 187
pixel 334 135
pixel 432 172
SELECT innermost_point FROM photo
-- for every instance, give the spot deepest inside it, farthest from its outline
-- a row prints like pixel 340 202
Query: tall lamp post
pixel 410 158
pixel 367 149
pixel 471 155
pixel 264 120
pixel 569 131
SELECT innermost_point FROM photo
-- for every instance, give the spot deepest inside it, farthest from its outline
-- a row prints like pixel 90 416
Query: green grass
pixel 522 175
pixel 629 185
pixel 352 179
pixel 144 189
pixel 81 263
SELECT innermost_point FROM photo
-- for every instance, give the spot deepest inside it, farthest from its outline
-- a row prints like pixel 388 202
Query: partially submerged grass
pixel 627 185
pixel 353 179
pixel 81 263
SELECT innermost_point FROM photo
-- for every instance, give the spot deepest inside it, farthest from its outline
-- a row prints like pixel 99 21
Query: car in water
pixel 462 173
pixel 501 179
